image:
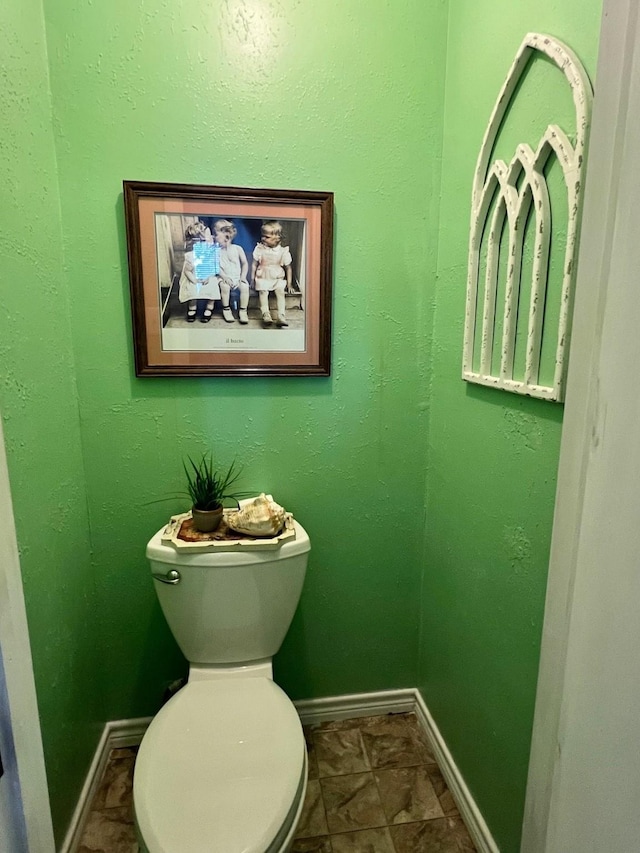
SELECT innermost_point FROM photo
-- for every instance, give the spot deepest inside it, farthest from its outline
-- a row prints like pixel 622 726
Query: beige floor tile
pixel 109 831
pixel 447 803
pixel 123 752
pixel 392 742
pixel 407 794
pixel 391 721
pixel 117 783
pixel 313 822
pixel 336 725
pixel 365 722
pixel 312 759
pixel 419 733
pixel 446 835
pixel 340 752
pixel 352 802
pixel 312 845
pixel 364 841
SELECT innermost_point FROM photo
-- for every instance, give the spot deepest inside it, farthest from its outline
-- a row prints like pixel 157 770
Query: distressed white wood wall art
pixel 516 192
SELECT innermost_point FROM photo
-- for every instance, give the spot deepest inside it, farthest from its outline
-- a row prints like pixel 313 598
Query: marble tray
pixel 180 533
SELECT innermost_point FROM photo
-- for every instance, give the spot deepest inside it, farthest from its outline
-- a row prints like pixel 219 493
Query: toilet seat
pixel 222 767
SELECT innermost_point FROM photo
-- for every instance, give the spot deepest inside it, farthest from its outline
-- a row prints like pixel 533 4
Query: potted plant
pixel 207 489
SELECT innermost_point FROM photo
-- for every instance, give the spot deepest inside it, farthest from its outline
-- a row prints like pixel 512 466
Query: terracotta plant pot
pixel 206 520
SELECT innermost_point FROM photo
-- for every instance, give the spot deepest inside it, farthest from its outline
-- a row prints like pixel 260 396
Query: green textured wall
pixel 275 94
pixel 269 94
pixel 39 406
pixel 492 456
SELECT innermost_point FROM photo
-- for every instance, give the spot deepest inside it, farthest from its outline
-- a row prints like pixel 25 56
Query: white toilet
pixel 223 766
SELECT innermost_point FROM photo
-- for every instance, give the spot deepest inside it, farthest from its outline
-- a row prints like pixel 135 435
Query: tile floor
pixel 374 787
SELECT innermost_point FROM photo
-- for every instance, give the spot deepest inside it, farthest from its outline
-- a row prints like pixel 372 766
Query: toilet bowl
pixel 223 766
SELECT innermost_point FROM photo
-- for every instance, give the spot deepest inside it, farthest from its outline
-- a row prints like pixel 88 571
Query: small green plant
pixel 208 488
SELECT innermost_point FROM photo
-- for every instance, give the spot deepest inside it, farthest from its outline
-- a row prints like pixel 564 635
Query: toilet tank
pixel 229 607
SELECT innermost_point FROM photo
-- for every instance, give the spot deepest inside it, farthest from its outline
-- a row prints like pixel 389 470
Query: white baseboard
pixel 116 734
pixel 355 705
pixel 121 733
pixel 469 811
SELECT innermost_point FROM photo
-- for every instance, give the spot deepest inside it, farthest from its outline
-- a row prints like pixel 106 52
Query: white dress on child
pixel 203 265
pixel 271 263
pixel 231 264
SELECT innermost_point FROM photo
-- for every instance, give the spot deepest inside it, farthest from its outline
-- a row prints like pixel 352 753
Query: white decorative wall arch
pixel 517 191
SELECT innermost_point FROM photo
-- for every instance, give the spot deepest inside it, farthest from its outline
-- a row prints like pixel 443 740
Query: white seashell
pixel 261 517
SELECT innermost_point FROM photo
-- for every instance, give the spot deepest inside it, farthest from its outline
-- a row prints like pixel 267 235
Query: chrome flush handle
pixel 171 577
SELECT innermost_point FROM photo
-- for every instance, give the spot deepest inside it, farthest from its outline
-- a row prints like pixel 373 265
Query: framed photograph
pixel 228 281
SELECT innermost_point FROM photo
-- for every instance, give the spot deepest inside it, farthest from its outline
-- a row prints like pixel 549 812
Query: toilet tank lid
pixel 165 552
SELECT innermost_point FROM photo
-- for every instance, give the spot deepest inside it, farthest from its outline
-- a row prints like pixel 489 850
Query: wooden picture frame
pixel 266 253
